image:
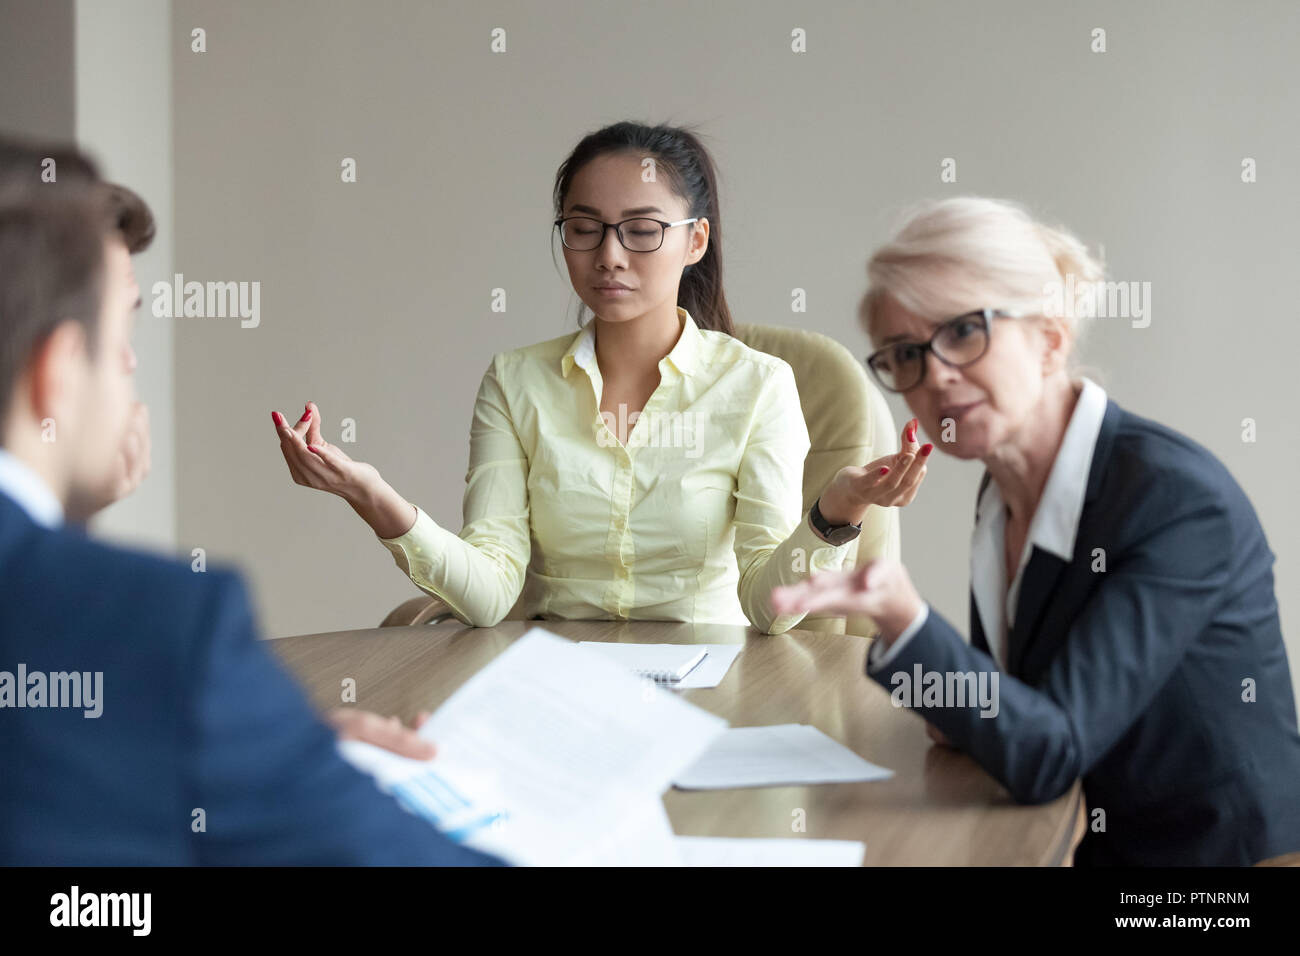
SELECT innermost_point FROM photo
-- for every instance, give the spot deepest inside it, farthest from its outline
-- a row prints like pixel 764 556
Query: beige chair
pixel 848 424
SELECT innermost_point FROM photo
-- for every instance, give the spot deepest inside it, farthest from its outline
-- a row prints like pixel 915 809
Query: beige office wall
pixel 375 296
pixel 99 74
pixel 124 114
pixel 38 92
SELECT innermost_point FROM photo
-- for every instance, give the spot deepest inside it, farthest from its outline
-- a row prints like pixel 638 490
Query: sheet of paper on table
pixel 708 673
pixel 786 851
pixel 667 663
pixel 779 755
pixel 551 755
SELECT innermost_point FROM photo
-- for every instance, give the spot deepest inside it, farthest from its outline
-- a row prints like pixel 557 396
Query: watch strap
pixel 835 534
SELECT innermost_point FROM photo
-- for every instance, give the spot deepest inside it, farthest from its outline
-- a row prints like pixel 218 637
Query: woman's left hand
pixel 891 481
pixel 880 589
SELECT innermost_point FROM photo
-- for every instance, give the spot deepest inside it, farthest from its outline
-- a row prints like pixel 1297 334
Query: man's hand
pixel 387 732
pixel 136 454
pixel 132 464
pixel 937 735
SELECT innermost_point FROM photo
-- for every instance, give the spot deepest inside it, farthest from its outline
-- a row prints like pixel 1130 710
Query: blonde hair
pixel 950 256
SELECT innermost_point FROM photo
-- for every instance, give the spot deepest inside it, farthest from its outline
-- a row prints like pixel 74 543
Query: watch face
pixel 842 535
pixel 834 534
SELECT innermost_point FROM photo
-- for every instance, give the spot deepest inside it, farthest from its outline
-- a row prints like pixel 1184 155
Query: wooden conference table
pixel 939 808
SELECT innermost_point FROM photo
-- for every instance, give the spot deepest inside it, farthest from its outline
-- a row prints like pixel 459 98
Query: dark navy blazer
pixel 1162 680
pixel 197 715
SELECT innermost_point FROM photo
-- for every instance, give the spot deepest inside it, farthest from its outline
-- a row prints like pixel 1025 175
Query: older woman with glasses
pixel 1121 584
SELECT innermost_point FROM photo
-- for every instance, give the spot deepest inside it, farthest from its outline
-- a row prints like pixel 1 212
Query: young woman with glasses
pixel 649 467
pixel 1121 584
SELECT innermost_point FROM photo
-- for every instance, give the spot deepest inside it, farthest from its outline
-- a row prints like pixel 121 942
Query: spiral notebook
pixel 663 663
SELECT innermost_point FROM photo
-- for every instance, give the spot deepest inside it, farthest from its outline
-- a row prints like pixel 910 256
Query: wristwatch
pixel 836 534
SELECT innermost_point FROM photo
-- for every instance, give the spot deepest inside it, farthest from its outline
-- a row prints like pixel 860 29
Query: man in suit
pixel 140 719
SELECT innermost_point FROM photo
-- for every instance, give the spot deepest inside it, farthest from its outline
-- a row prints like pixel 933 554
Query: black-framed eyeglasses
pixel 957 342
pixel 583 234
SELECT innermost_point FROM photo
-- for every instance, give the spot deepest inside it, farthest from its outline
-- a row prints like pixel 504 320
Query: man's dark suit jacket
pixel 1162 680
pixel 197 716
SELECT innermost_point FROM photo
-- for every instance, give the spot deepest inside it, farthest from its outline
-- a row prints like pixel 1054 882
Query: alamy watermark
pixel 661 429
pixel 1098 299
pixel 75 689
pixel 130 910
pixel 923 689
pixel 211 300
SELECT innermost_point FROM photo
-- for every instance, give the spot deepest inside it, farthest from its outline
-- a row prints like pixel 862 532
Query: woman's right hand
pixel 316 463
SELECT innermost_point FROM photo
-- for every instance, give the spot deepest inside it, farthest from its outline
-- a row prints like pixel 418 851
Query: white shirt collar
pixel 1056 521
pixel 1054 527
pixel 29 491
pixel 682 356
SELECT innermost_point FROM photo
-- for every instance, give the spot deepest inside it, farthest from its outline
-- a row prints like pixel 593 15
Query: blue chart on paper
pixel 430 796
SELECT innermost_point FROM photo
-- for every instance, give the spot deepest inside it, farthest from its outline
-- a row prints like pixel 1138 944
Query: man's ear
pixel 58 371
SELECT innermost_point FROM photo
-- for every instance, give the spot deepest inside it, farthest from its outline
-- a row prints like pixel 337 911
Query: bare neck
pixel 631 351
pixel 1022 465
pixel 22 438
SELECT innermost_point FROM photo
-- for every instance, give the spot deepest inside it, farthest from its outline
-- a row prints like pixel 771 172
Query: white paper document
pixel 787 851
pixel 708 673
pixel 551 755
pixel 712 669
pixel 780 755
pixel 668 663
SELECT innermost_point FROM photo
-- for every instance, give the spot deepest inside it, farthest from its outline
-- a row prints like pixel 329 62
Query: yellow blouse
pixel 697 519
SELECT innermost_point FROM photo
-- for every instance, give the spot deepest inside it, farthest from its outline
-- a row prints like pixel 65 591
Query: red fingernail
pixel 305 415
pixel 884 471
pixel 278 419
pixel 926 449
pixel 314 449
pixel 911 433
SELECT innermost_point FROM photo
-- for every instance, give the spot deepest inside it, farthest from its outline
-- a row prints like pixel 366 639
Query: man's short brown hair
pixel 23 163
pixel 23 168
pixel 51 252
pixel 51 270
pixel 130 216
